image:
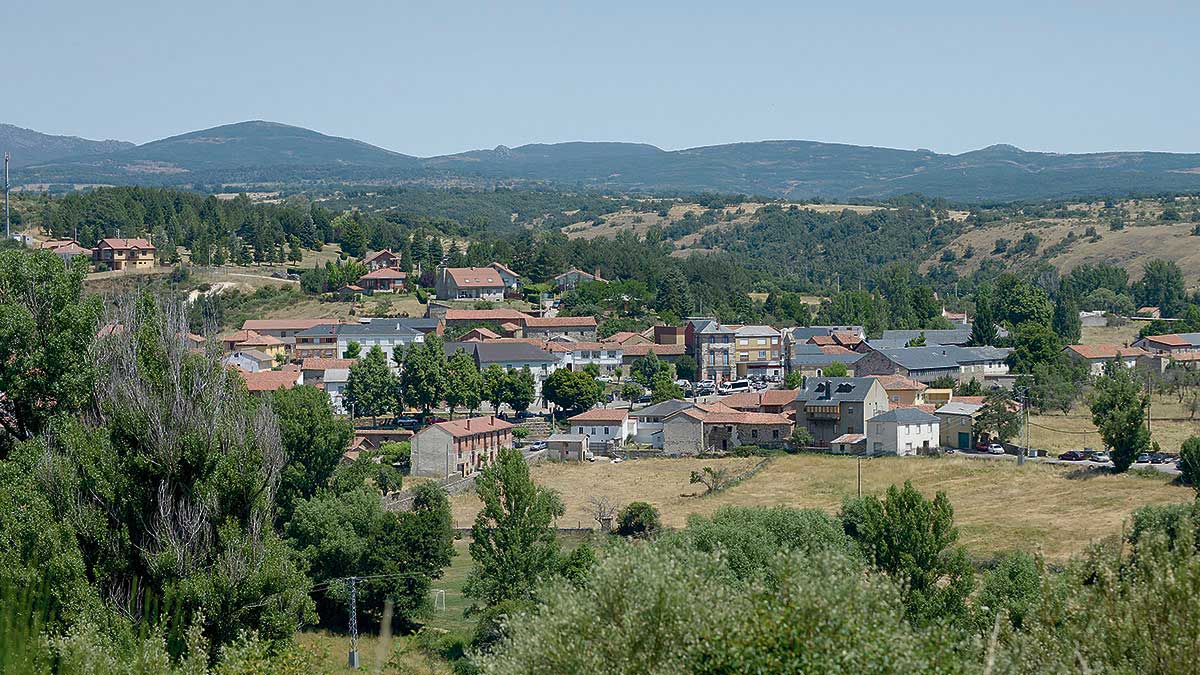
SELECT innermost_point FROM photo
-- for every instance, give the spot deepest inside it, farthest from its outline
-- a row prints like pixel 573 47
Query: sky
pixel 429 78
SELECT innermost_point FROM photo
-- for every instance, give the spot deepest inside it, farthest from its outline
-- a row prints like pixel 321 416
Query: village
pixel 721 389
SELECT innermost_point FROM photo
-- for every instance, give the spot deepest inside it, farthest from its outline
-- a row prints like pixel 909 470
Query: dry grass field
pixel 1121 335
pixel 1170 426
pixel 1058 510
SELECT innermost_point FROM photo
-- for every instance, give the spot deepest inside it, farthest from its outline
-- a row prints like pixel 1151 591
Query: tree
pixel 793 380
pixel 519 390
pixel 913 539
pixel 638 520
pixel 646 368
pixel 983 325
pixel 1013 587
pixel 513 545
pixel 572 390
pixel 603 510
pixel 801 438
pixel 353 350
pixel 371 386
pixel 1000 416
pixel 1119 413
pixel 46 332
pixel 663 388
pixel 1018 301
pixel 918 341
pixel 423 377
pixel 494 384
pixel 1066 322
pixel 712 479
pixel 1189 462
pixel 685 367
pixel 1033 344
pixel 313 442
pixel 353 235
pixel 836 369
pixel 631 391
pixel 1161 286
pixel 464 383
pixel 339 535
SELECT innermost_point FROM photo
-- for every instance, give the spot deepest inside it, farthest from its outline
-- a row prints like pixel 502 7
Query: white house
pixel 1097 355
pixel 387 334
pixel 902 431
pixel 604 355
pixel 605 426
pixel 249 360
pixel 334 384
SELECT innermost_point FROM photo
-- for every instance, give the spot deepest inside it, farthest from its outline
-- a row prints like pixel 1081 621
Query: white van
pixel 735 387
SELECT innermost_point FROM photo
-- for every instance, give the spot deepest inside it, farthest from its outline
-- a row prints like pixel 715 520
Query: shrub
pixel 1013 586
pixel 1189 465
pixel 638 519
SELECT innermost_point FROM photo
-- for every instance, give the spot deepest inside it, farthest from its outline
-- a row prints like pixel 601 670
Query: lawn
pixel 1058 510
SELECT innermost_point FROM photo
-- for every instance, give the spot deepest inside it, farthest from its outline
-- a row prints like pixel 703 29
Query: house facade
pixel 605 427
pixel 712 345
pixel 1097 355
pixel 572 278
pixel 1171 343
pixel 650 420
pixel 387 334
pixel 832 406
pixel 380 260
pixel 758 351
pixel 957 424
pixel 693 431
pixel 926 364
pixel 902 431
pixel 459 447
pixel 383 280
pixel 577 327
pixel 475 283
pixel 116 253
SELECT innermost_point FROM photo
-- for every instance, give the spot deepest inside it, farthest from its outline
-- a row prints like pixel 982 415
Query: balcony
pixel 822 412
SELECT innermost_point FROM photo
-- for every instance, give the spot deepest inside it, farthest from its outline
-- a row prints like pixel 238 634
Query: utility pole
pixel 7 187
pixel 353 660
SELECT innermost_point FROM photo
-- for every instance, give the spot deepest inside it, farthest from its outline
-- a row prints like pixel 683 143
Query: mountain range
pixel 271 153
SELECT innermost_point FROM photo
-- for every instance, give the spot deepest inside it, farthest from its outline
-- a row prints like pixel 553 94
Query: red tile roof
pixel 379 254
pixel 475 277
pixel 755 400
pixel 659 350
pixel 125 244
pixel 270 380
pixel 500 314
pixel 1106 351
pixel 1170 339
pixel 899 383
pixel 560 321
pixel 384 273
pixel 601 415
pixel 835 349
pixel 623 336
pixel 326 364
pixel 472 425
pixel 479 333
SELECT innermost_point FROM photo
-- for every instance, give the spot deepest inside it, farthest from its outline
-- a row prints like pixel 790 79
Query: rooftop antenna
pixel 7 186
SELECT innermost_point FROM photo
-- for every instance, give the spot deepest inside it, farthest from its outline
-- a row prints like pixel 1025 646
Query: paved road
pixel 1166 467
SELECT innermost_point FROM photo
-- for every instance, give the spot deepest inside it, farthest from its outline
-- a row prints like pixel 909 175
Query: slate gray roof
pixel 321 330
pixel 337 375
pixel 662 409
pixel 844 389
pixel 709 327
pixel 956 408
pixel 954 336
pixel 393 327
pixel 905 416
pixel 577 438
pixel 502 352
pixel 944 357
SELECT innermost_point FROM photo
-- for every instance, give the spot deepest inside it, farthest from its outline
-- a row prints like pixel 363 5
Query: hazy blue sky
pixel 438 77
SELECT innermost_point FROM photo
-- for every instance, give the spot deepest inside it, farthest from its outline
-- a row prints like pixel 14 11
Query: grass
pixel 1058 510
pixel 1120 335
pixel 1170 425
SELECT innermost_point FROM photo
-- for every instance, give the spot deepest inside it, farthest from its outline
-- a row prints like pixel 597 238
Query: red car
pixel 1073 456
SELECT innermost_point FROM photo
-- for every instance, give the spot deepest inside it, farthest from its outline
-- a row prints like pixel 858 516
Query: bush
pixel 1013 587
pixel 1189 465
pixel 638 519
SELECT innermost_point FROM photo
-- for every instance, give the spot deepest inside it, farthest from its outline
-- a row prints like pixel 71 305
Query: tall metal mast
pixel 7 226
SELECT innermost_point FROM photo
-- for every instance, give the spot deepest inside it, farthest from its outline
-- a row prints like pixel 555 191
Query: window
pixel 605 431
pixel 775 433
pixel 762 354
pixel 754 433
pixel 761 341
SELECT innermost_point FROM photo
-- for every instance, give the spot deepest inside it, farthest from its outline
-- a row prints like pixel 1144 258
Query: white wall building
pixel 902 431
pixel 604 426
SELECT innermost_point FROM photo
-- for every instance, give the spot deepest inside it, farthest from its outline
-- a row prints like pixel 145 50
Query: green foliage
pixel 1017 301
pixel 371 387
pixel 1119 413
pixel 518 389
pixel 46 330
pixel 350 534
pixel 836 369
pixel 631 391
pixel 464 383
pixel 983 325
pixel 1189 465
pixel 1034 344
pixel 793 380
pixel 663 388
pixel 801 438
pixel 912 540
pixel 1056 385
pixel 572 390
pixel 1161 286
pixel 1066 322
pixel 313 442
pixel 686 368
pixel 645 369
pixel 353 350
pixel 639 520
pixel 1013 587
pixel 1000 417
pixel 513 544
pixel 424 374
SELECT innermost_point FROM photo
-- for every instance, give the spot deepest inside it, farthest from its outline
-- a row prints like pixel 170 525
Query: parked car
pixel 1073 456
pixel 1158 458
pixel 644 398
pixel 1101 457
pixel 734 387
pixel 1143 458
pixel 995 449
pixel 537 445
pixel 410 423
pixel 617 460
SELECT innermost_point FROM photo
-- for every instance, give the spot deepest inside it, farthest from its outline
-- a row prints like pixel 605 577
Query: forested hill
pixel 31 147
pixel 244 152
pixel 269 153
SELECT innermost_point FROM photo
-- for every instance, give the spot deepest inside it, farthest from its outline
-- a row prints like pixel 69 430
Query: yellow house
pixel 244 340
pixel 902 391
pixel 121 254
